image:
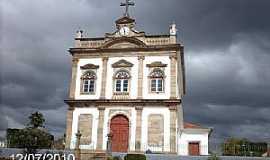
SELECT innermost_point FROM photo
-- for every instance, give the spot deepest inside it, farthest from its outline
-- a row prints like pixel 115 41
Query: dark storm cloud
pixel 227 58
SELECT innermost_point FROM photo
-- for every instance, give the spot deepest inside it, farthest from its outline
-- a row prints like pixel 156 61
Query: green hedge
pixel 135 157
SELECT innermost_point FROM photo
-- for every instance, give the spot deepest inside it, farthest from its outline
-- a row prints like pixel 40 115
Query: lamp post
pixel 244 148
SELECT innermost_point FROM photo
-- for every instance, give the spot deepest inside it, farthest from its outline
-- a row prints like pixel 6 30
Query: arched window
pixel 122 81
pixel 157 80
pixel 89 82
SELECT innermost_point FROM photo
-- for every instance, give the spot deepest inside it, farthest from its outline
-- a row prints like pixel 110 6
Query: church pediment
pixel 156 64
pixel 124 20
pixel 124 42
pixel 90 66
pixel 122 63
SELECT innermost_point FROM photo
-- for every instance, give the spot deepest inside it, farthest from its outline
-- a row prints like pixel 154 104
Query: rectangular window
pixel 156 85
pixel 85 86
pixel 89 86
pixel 125 85
pixel 118 86
pixel 159 85
pixel 92 86
pixel 153 85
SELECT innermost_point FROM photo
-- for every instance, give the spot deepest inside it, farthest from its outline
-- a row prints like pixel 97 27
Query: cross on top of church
pixel 127 4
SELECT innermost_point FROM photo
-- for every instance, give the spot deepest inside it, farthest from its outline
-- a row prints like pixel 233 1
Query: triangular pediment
pixel 156 64
pixel 122 63
pixel 89 66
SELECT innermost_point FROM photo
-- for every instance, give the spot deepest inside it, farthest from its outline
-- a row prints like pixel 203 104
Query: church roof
pixel 188 125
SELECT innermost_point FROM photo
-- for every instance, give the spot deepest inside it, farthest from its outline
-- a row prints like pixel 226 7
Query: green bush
pixel 117 158
pixel 213 157
pixel 135 157
pixel 109 158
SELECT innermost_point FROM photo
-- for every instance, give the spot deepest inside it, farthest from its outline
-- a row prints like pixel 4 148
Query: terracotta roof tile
pixel 192 125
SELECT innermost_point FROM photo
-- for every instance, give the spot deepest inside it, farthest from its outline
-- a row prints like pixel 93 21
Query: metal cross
pixel 127 4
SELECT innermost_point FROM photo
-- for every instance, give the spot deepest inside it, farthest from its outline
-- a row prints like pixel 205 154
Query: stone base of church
pixel 92 155
pixel 146 127
pixel 102 155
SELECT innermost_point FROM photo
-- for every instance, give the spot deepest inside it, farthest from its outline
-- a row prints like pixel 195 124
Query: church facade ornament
pixel 122 64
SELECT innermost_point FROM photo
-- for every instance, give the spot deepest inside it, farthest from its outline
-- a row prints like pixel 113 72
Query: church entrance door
pixel 120 133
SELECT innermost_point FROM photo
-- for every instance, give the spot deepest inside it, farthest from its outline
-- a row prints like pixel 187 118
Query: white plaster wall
pixel 146 90
pixel 185 138
pixel 144 135
pixel 132 123
pixel 82 62
pixel 95 114
pixel 133 73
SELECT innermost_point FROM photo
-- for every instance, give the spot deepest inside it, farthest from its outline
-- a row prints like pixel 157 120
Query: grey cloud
pixel 227 57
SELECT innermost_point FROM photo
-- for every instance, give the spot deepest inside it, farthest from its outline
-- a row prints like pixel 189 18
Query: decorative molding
pixel 105 58
pixel 125 102
pixel 124 20
pixel 156 64
pixel 75 60
pixel 89 66
pixel 173 107
pixel 114 51
pixel 173 56
pixel 139 107
pixel 141 57
pixel 101 108
pixel 122 63
pixel 117 40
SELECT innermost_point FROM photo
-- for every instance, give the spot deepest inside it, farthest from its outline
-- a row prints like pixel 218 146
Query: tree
pixel 33 136
pixel 243 147
pixel 36 120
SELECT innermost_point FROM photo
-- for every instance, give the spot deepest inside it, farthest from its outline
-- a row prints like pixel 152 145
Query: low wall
pixel 7 152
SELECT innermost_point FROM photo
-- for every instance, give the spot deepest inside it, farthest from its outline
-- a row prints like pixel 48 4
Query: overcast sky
pixel 227 58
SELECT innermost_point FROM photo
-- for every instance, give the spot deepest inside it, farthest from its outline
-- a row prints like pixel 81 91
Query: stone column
pixel 138 128
pixel 100 128
pixel 77 147
pixel 140 77
pixel 104 77
pixel 173 77
pixel 180 117
pixel 69 127
pixel 73 78
pixel 173 119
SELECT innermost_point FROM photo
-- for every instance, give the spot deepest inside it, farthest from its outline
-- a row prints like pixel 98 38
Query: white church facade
pixel 130 85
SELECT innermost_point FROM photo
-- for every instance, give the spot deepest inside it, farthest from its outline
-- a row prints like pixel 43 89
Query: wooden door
pixel 120 133
pixel 194 148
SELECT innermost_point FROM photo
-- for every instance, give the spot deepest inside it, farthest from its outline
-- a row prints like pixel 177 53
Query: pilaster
pixel 140 77
pixel 69 119
pixel 180 117
pixel 104 77
pixel 100 127
pixel 72 87
pixel 173 77
pixel 173 119
pixel 138 128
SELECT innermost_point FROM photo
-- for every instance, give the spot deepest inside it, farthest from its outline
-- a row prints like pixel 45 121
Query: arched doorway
pixel 119 128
